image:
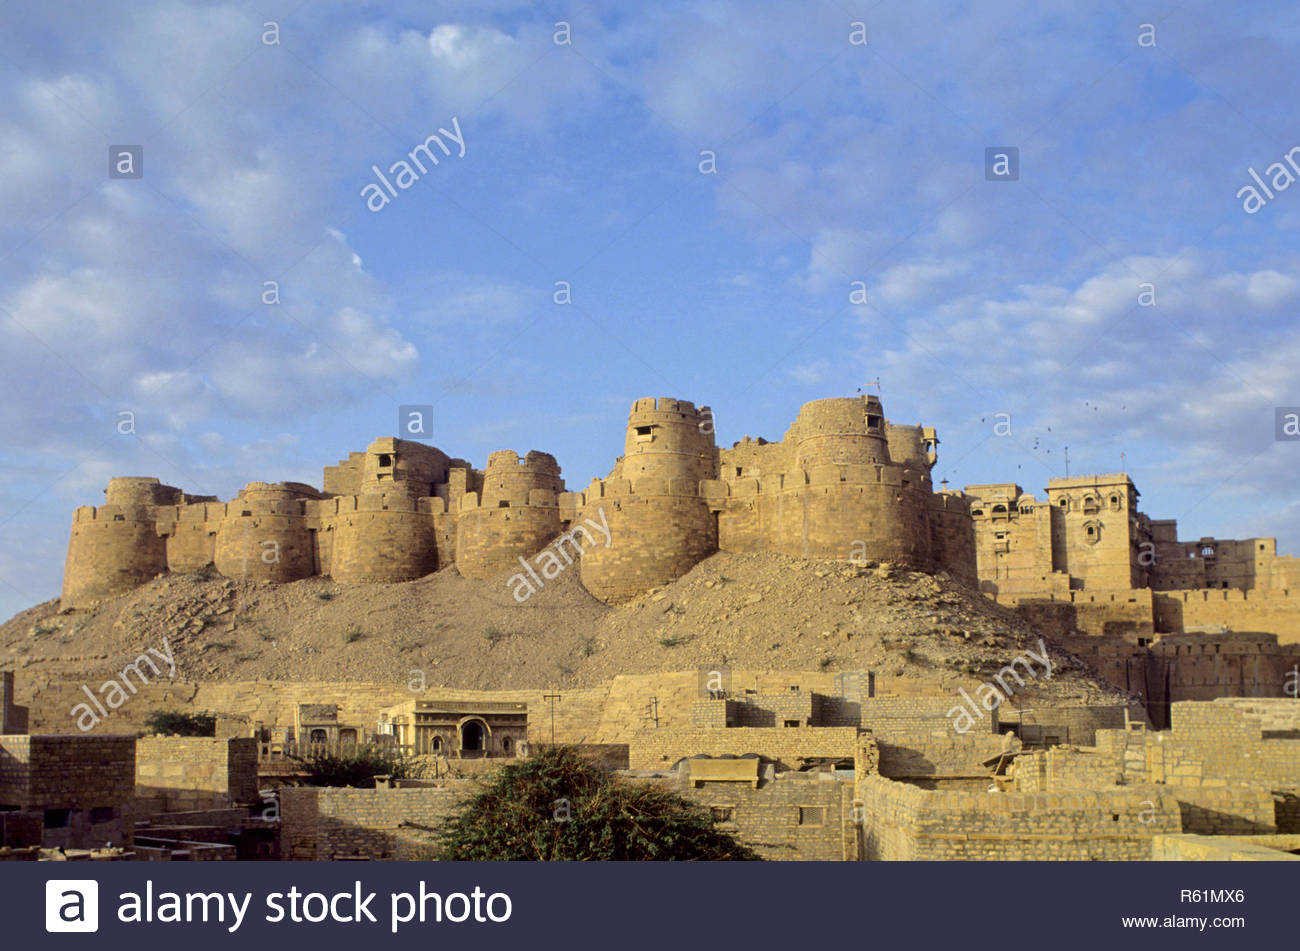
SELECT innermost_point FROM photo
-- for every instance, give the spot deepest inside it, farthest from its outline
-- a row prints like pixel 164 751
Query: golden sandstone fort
pixel 845 483
pixel 1202 638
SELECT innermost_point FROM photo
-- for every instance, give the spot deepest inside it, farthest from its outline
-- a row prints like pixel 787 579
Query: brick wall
pixel 937 754
pixel 330 823
pixel 188 773
pixel 659 749
pixel 793 817
pixel 66 772
pixel 904 822
pixel 20 829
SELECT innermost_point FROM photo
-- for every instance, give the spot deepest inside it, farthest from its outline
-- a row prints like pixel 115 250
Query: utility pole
pixel 552 697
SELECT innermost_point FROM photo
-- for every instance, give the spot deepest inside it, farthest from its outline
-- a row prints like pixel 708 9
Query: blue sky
pixel 835 162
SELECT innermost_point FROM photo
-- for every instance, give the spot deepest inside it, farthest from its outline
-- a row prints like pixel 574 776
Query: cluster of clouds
pixel 838 162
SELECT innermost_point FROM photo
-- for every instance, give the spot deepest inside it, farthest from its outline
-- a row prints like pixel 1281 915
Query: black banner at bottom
pixel 491 905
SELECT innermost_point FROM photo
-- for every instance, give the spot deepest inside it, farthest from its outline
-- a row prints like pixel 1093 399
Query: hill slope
pixel 759 612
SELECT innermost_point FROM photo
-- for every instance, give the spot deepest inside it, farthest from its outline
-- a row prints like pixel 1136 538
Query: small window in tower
pixel 738 476
pixel 873 422
pixel 503 504
pixel 644 430
pixel 385 460
pixel 1207 551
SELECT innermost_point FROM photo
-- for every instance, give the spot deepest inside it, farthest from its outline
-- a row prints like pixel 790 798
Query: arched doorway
pixel 473 737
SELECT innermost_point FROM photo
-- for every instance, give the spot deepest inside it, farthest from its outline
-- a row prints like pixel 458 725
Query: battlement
pixel 134 491
pixel 650 406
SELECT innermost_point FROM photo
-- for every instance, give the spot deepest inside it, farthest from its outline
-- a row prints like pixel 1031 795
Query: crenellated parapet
pixel 516 515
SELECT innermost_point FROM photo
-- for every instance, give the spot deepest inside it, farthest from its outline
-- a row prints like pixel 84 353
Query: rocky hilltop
pixel 757 612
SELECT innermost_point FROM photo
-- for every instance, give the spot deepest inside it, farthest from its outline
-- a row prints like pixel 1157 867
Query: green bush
pixel 175 723
pixel 556 806
pixel 358 767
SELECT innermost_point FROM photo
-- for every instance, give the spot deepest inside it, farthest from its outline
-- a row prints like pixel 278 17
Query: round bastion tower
pixel 116 546
pixel 848 497
pixel 516 517
pixel 265 534
pixel 386 533
pixel 654 522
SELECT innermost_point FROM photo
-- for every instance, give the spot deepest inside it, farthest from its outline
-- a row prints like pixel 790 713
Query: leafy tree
pixel 557 806
pixel 176 723
pixel 358 766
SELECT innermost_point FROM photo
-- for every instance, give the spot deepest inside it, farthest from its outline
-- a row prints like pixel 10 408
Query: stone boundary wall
pixel 1226 738
pixel 1082 723
pixel 66 772
pixel 795 817
pixel 884 715
pixel 322 824
pixel 190 773
pixel 660 749
pixel 1201 848
pixel 904 822
pixel 937 755
pixel 1224 810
